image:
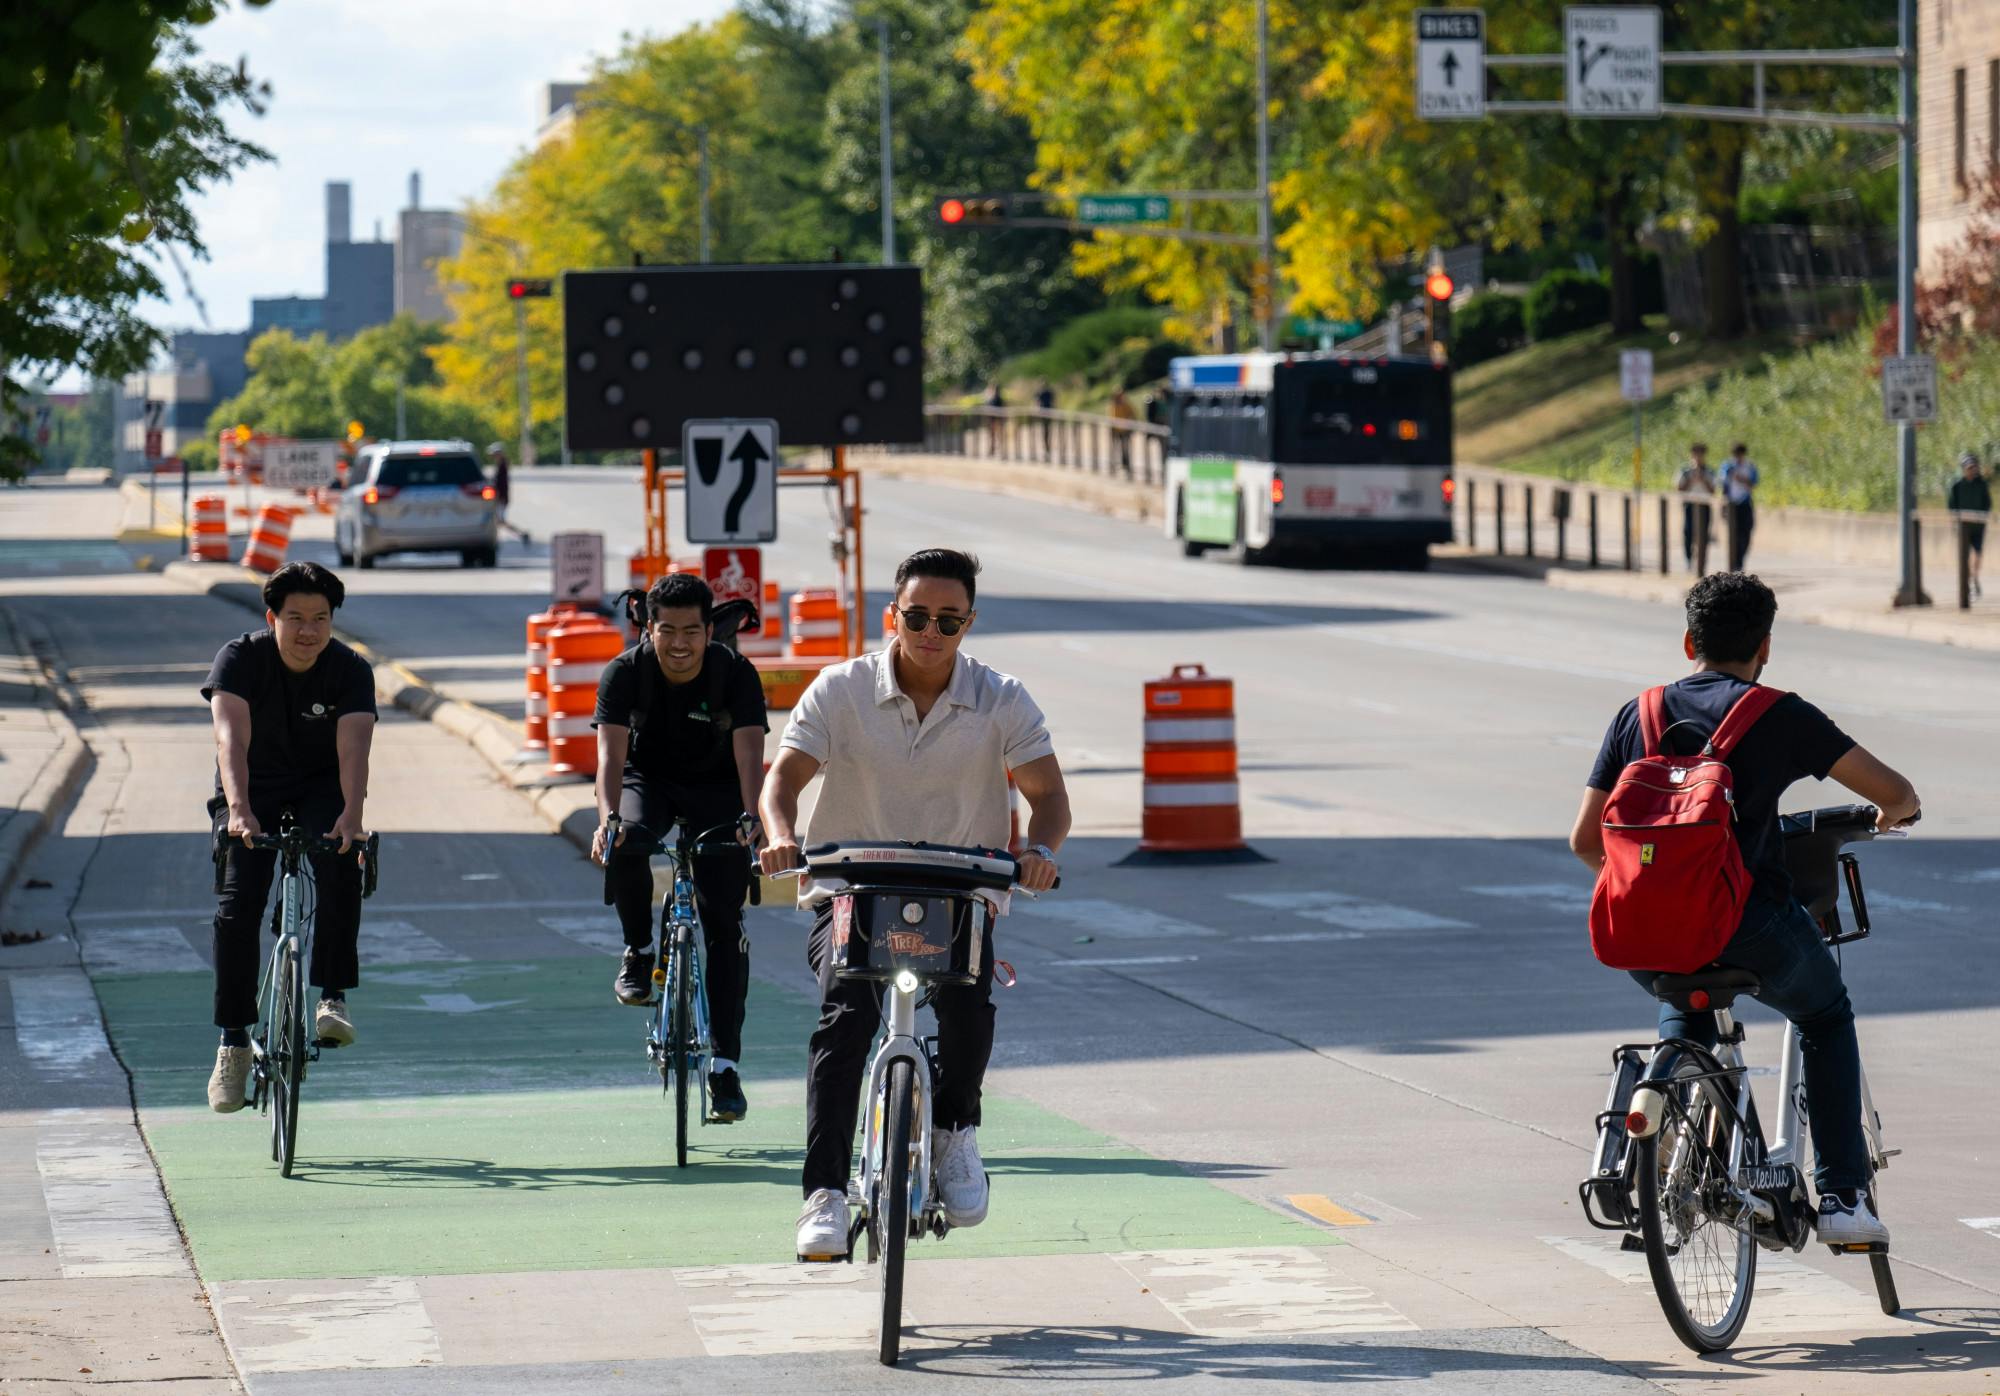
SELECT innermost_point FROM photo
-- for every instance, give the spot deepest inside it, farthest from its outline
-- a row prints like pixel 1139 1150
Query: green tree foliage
pixel 1485 327
pixel 108 127
pixel 1563 302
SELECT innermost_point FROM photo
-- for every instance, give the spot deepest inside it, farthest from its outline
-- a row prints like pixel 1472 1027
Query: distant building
pixel 360 276
pixel 203 370
pixel 424 237
pixel 301 315
pixel 558 113
pixel 1958 116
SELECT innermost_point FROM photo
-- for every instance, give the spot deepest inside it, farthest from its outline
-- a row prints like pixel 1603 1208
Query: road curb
pixel 569 808
pixel 56 785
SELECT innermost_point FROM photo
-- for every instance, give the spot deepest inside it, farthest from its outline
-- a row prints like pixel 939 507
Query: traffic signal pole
pixel 1266 321
pixel 1909 588
pixel 527 451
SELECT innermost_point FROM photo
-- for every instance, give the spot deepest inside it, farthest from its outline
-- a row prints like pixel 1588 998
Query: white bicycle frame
pixel 899 1043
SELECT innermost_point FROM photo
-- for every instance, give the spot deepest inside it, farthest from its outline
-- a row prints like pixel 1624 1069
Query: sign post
pixel 732 480
pixel 1635 385
pixel 576 567
pixel 1612 60
pixel 1451 65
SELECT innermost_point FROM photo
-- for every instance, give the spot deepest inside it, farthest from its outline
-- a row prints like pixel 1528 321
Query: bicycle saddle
pixel 1705 990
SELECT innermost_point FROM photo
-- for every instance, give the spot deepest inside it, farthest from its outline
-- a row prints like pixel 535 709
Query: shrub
pixel 1566 301
pixel 1082 344
pixel 1487 326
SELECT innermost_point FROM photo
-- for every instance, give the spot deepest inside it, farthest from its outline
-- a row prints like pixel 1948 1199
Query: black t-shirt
pixel 292 716
pixel 683 736
pixel 1793 740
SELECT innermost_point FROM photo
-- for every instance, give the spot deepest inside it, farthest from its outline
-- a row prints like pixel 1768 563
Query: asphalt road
pixel 1314 1119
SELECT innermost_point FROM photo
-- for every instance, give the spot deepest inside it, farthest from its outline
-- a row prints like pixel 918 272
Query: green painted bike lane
pixel 503 1117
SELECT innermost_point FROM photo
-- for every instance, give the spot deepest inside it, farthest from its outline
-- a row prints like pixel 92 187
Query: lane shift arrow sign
pixel 750 454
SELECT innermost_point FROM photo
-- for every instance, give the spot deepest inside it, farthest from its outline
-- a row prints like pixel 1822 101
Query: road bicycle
pixel 678 1039
pixel 281 1047
pixel 1682 1164
pixel 914 917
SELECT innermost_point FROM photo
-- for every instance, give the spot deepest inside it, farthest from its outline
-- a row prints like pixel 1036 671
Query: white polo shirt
pixel 887 776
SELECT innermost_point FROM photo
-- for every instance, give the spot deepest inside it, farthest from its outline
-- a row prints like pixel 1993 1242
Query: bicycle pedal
pixel 827 1259
pixel 1859 1248
pixel 1631 1243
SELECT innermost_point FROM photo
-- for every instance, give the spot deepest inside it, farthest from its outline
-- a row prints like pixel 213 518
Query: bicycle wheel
pixel 1698 1242
pixel 680 1034
pixel 288 1061
pixel 892 1201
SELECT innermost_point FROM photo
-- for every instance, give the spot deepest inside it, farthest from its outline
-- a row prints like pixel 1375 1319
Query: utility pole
pixel 1909 590
pixel 888 158
pixel 527 452
pixel 701 146
pixel 1266 265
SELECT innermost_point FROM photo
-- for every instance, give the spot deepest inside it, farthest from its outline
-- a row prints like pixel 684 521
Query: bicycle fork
pixel 900 1043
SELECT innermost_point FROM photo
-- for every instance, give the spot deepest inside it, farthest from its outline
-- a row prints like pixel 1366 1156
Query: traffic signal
pixel 960 212
pixel 523 288
pixel 1438 288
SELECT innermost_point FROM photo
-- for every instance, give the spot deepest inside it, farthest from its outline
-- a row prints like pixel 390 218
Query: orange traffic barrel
pixel 270 536
pixel 208 538
pixel 1191 809
pixel 579 648
pixel 816 623
pixel 889 627
pixel 768 639
pixel 536 708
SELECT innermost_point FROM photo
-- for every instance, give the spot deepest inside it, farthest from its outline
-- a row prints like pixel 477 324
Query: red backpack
pixel 1673 886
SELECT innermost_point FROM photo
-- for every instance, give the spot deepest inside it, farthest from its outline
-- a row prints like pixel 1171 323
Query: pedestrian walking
pixel 1971 494
pixel 1739 484
pixel 1697 518
pixel 1045 399
pixel 1123 414
pixel 995 424
pixel 502 488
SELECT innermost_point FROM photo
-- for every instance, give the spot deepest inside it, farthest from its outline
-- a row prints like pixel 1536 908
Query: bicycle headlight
pixel 906 981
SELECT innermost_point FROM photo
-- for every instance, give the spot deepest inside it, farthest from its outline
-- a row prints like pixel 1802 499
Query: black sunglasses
pixel 917 622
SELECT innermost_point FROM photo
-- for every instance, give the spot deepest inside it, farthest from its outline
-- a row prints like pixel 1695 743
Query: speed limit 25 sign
pixel 1909 388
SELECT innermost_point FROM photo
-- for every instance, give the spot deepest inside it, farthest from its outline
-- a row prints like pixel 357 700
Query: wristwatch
pixel 1042 850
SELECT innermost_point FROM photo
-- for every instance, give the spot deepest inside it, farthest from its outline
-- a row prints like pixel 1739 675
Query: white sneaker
pixel 331 1023
pixel 225 1083
pixel 823 1226
pixel 961 1175
pixel 1842 1225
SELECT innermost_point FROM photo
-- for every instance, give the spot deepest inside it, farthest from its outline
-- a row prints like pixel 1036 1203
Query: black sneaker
pixel 634 984
pixel 726 1104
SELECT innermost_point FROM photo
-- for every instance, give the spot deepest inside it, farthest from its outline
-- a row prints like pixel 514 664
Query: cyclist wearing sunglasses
pixel 915 743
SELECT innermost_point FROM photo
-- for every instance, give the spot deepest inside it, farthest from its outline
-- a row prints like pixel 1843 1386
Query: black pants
pixel 1695 523
pixel 1743 517
pixel 721 882
pixel 850 1012
pixel 246 890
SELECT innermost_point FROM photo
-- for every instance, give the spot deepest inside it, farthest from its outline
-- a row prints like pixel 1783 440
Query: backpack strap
pixel 1653 719
pixel 1741 717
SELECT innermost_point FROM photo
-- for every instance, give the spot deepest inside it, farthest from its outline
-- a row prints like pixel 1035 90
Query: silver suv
pixel 417 497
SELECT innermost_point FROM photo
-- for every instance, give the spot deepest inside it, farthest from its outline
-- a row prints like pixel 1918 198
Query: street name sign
pixel 576 567
pixel 1909 388
pixel 731 464
pixel 1306 326
pixel 1451 65
pixel 1635 375
pixel 300 465
pixel 1611 59
pixel 1124 208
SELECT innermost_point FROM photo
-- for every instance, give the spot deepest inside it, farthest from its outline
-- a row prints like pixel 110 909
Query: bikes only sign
pixel 735 574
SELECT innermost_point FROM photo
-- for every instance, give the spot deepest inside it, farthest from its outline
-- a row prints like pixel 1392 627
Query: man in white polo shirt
pixel 916 742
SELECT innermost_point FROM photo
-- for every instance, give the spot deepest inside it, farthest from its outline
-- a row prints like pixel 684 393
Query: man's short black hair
pixel 677 591
pixel 947 563
pixel 302 579
pixel 1728 615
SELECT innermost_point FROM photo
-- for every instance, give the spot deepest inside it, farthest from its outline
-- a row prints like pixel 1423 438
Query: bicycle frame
pixel 677 922
pixel 293 928
pixel 899 1043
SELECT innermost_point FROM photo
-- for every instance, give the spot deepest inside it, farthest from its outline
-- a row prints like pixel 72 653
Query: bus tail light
pixel 1367 428
pixel 1406 430
pixel 1277 489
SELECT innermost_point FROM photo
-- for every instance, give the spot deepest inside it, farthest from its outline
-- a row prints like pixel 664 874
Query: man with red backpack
pixel 1674 894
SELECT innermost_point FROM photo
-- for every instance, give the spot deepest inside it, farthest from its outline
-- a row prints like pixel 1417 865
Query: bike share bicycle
pixel 279 1048
pixel 913 917
pixel 1682 1164
pixel 678 1042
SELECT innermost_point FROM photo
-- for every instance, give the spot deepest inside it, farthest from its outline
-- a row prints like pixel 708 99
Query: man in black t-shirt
pixel 680 735
pixel 294 716
pixel 1729 618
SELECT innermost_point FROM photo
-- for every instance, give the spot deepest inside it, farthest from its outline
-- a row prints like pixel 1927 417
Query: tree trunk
pixel 1623 258
pixel 1722 255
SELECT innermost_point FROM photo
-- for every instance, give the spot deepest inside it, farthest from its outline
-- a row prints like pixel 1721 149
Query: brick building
pixel 1958 115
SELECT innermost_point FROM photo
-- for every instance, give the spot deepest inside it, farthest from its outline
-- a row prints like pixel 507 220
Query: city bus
pixel 1346 456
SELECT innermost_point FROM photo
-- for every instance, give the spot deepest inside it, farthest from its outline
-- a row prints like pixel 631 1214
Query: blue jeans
pixel 1800 979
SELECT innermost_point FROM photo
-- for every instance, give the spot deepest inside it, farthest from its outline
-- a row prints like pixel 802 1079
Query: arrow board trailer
pixel 1451 65
pixel 731 465
pixel 1334 453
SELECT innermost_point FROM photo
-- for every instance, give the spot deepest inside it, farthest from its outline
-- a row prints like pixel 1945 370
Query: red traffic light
pixel 952 211
pixel 1438 286
pixel 527 287
pixel 517 289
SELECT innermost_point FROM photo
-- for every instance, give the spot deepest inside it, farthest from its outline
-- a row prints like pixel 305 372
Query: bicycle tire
pixel 892 1201
pixel 680 1034
pixel 1694 1182
pixel 289 1068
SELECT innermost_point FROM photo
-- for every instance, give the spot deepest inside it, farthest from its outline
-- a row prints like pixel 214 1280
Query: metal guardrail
pixel 1084 441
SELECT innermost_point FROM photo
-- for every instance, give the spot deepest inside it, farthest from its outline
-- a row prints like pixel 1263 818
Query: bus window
pixel 1337 414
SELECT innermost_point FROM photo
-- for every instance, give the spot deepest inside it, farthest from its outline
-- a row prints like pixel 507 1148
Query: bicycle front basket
pixel 880 931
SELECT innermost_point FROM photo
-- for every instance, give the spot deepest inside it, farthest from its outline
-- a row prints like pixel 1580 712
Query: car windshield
pixel 406 472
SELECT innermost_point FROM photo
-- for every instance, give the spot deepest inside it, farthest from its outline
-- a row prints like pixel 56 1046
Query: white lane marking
pixel 56 1022
pixel 1559 896
pixel 1372 706
pixel 762 1309
pixel 445 976
pixel 1237 1293
pixel 452 1003
pixel 106 1211
pixel 139 950
pixel 1896 903
pixel 1982 875
pixel 1791 1295
pixel 1989 1225
pixel 195 912
pixel 1298 937
pixel 1112 920
pixel 1134 960
pixel 400 943
pixel 1354 913
pixel 479 877
pixel 600 933
pixel 324 1325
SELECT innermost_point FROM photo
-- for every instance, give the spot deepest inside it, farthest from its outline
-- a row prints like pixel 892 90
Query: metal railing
pixel 1084 441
